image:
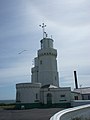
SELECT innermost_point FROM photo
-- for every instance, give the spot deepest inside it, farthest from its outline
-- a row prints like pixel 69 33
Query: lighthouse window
pixel 76 97
pixel 40 61
pixel 62 95
pixel 36 96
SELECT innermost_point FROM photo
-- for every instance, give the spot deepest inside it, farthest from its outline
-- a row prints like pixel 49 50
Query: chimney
pixel 76 83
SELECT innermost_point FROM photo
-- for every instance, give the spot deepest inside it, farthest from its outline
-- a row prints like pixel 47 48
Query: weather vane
pixel 43 28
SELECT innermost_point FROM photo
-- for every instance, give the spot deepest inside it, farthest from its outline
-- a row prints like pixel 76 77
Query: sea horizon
pixel 7 101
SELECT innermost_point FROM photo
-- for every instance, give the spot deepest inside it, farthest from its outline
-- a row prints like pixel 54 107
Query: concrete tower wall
pixel 34 76
pixel 48 67
pixel 36 61
pixel 34 70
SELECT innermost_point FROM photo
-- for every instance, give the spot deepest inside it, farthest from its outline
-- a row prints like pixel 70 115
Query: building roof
pixel 75 92
pixel 27 85
pixel 85 90
pixel 49 86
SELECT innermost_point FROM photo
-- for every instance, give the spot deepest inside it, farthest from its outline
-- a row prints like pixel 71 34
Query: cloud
pixel 17 68
pixel 65 12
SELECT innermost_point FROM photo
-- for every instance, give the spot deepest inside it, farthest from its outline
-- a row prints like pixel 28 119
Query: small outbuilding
pixel 82 93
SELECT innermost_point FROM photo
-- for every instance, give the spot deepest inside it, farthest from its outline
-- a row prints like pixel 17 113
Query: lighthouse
pixel 43 90
pixel 45 64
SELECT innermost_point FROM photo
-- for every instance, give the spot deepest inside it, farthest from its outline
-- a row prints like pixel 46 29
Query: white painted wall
pixel 46 43
pixel 27 92
pixel 56 95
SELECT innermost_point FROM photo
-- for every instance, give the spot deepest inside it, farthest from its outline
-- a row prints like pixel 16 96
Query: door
pixel 49 99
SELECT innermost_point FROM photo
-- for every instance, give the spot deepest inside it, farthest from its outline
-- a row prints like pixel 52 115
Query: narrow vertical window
pixel 36 96
pixel 40 61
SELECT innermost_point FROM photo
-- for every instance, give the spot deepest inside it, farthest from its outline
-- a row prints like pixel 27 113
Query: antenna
pixel 43 28
pixel 46 35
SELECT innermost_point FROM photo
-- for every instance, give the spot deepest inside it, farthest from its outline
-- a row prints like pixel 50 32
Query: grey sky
pixel 68 21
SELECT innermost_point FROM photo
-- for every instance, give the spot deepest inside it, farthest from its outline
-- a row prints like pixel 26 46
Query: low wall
pixel 71 113
pixel 40 105
pixel 75 103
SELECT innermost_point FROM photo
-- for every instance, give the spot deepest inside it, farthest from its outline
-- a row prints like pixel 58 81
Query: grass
pixel 7 106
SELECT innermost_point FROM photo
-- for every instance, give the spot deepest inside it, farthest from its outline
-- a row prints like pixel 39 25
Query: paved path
pixel 32 114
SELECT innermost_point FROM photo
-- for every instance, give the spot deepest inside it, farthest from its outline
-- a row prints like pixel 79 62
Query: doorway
pixel 49 99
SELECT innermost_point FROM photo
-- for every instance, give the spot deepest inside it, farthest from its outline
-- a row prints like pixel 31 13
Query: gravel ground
pixel 31 114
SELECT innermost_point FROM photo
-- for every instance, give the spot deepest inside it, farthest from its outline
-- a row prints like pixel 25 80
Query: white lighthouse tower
pixel 44 87
pixel 45 64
